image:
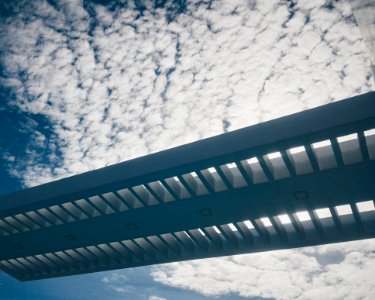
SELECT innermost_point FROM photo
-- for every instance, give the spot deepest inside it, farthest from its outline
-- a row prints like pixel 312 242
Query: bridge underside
pixel 302 180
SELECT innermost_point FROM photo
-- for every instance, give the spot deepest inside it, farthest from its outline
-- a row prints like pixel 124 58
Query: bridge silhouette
pixel 302 180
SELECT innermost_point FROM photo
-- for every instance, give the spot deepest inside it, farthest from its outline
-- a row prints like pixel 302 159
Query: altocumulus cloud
pixel 342 271
pixel 125 79
pixel 117 282
pixel 122 80
pixel 156 298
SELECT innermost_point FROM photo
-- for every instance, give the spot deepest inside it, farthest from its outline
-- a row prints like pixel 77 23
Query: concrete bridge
pixel 301 180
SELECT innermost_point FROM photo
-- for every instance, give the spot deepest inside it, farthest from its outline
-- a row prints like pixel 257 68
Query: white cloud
pixel 115 277
pixel 146 84
pixel 156 298
pixel 117 282
pixel 340 271
pixel 119 85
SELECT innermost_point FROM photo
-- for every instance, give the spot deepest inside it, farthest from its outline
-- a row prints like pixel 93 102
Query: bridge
pixel 302 180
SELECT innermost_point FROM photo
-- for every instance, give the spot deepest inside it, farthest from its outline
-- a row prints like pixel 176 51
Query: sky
pixel 86 84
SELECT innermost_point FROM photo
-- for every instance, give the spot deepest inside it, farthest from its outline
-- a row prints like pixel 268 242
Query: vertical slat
pixel 108 203
pixel 316 222
pixel 159 244
pixel 133 254
pixel 117 255
pixel 58 218
pixel 336 220
pixel 33 220
pixel 144 194
pixel 57 260
pixel 223 177
pixel 240 231
pixel 89 210
pixel 205 183
pixel 186 185
pixel 55 268
pixel 121 250
pixel 23 225
pixel 288 163
pixel 213 178
pixel 363 146
pixel 3 231
pixel 39 264
pixel 118 204
pixel 100 205
pixel 129 198
pixel 245 232
pixel 73 262
pixel 161 192
pixel 213 236
pixel 151 191
pixel 34 268
pixel 357 217
pixel 186 243
pixel 244 174
pixel 139 198
pixel 103 257
pixel 312 158
pixel 22 267
pixel 146 250
pixel 71 215
pixel 70 261
pixel 265 168
pixel 200 240
pixel 76 210
pixel 8 227
pixel 90 257
pixel 170 240
pixel 112 254
pixel 297 225
pixel 194 181
pixel 84 260
pixel 134 248
pixel 279 229
pixel 47 222
pixel 337 152
pixel 262 231
pixel 229 235
pixel 169 189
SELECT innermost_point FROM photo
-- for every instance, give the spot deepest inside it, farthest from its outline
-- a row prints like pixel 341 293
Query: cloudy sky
pixel 85 84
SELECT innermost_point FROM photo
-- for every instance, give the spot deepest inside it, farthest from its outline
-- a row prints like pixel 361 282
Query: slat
pixel 169 189
pixel 336 220
pixel 204 181
pixel 288 163
pixel 244 173
pixel 186 185
pixel 279 228
pixel 337 152
pixel 363 146
pixel 312 159
pixel 224 176
pixel 265 168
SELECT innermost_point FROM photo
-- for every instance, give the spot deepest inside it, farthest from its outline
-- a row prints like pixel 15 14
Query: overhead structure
pixel 301 180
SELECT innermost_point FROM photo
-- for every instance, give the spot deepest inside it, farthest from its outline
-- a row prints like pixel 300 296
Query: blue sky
pixel 85 84
pixel 127 284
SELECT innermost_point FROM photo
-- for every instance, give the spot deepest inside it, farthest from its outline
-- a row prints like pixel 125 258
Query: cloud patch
pixel 340 271
pixel 120 81
pixel 117 81
pixel 118 282
pixel 156 298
